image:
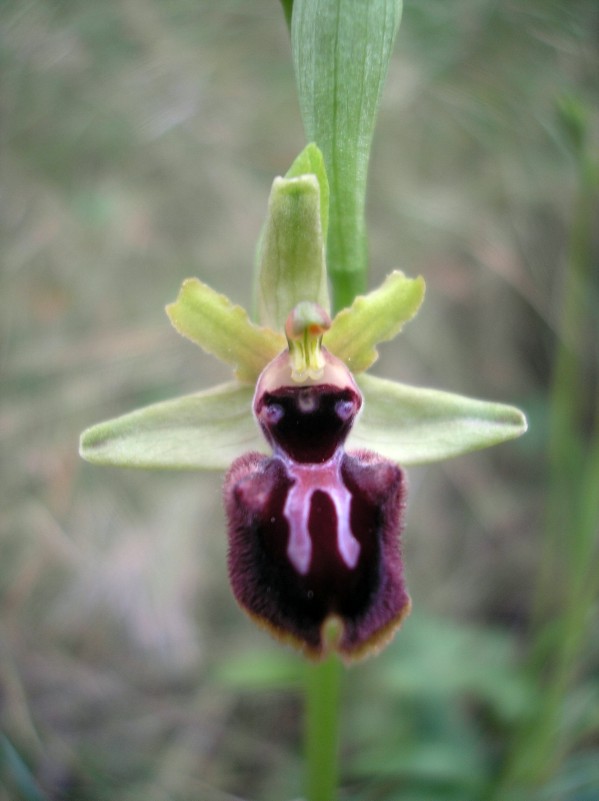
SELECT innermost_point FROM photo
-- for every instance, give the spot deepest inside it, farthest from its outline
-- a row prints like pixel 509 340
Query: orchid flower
pixel 312 444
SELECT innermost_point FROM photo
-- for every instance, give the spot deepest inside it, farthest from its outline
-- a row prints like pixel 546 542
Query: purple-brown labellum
pixel 313 530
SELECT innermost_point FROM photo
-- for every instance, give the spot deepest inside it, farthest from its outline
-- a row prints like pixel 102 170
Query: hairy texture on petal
pixel 354 569
pixel 379 491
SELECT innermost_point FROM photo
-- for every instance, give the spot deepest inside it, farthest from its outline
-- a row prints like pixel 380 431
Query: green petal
pixel 311 162
pixel 223 329
pixel 376 317
pixel 204 431
pixel 291 260
pixel 411 425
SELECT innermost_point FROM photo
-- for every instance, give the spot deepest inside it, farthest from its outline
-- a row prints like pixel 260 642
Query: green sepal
pixel 223 329
pixel 205 431
pixel 292 264
pixel 373 318
pixel 311 162
pixel 411 425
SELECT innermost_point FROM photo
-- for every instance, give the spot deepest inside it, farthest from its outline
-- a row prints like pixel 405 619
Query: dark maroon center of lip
pixel 369 596
pixel 330 586
pixel 308 423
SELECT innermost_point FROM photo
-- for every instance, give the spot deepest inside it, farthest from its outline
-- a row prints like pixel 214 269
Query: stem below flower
pixel 322 683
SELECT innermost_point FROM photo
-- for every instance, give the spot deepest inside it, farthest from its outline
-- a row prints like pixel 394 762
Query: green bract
pixel 209 429
pixel 341 53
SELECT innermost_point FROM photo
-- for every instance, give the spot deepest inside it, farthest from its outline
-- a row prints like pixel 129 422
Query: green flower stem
pixel 323 691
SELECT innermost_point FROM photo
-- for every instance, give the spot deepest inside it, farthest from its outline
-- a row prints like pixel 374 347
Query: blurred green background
pixel 139 140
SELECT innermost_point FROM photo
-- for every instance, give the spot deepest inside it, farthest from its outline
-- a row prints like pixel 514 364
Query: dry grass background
pixel 139 140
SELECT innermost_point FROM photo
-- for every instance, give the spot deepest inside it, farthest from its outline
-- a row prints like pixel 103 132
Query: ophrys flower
pixel 313 494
